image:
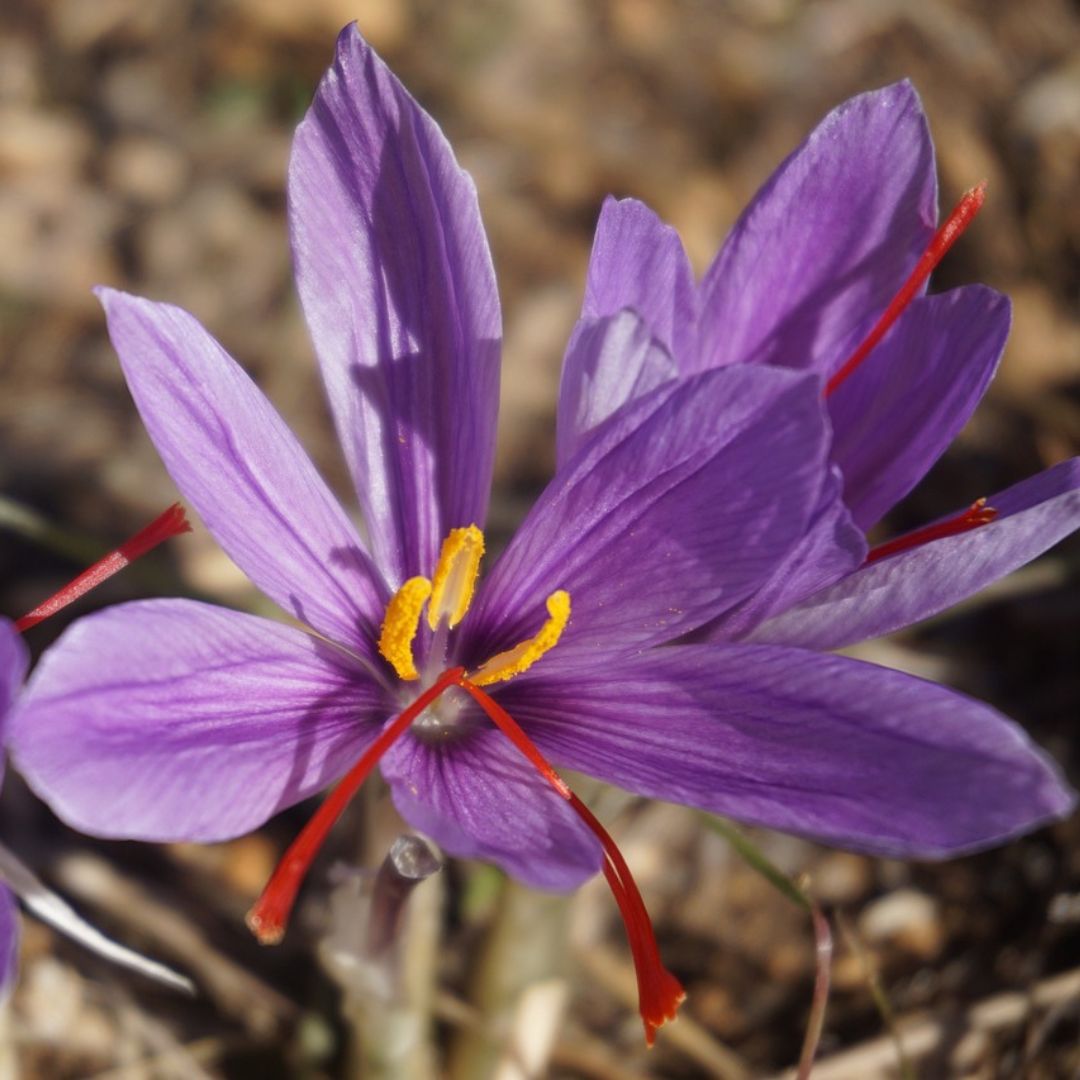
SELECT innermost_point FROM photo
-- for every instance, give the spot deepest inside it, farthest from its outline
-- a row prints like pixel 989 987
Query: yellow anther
pixel 506 665
pixel 455 574
pixel 400 626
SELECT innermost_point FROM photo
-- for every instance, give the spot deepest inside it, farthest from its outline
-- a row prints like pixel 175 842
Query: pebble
pixel 907 919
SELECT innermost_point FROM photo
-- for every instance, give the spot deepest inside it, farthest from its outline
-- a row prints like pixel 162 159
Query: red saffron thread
pixel 171 523
pixel 972 518
pixel 269 916
pixel 659 992
pixel 951 231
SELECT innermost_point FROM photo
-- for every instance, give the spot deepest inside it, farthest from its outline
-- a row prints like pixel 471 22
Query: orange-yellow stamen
pixel 521 657
pixel 401 624
pixel 455 576
pixel 659 992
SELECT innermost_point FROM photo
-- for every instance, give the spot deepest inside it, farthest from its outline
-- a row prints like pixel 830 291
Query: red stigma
pixel 972 518
pixel 659 992
pixel 269 916
pixel 953 228
pixel 171 523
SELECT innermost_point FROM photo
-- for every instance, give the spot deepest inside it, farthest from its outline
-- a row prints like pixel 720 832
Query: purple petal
pixel 894 592
pixel 175 720
pixel 675 510
pixel 480 799
pixel 900 410
pixel 816 257
pixel 237 462
pixel 14 660
pixel 831 748
pixel 609 363
pixel 396 280
pixel 832 548
pixel 638 262
pixel 10 935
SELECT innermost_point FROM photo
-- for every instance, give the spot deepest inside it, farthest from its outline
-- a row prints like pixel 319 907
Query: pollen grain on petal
pixel 455 575
pixel 521 657
pixel 400 625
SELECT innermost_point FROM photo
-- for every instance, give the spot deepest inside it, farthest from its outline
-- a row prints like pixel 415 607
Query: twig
pixel 877 992
pixel 583 1053
pixel 409 862
pixel 820 1000
pixel 177 1058
pixel 524 945
pixel 823 951
pixel 381 948
pixel 34 527
pixel 926 1035
pixel 235 990
pixel 533 1030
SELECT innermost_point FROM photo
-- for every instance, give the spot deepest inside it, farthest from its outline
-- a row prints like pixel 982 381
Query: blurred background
pixel 144 145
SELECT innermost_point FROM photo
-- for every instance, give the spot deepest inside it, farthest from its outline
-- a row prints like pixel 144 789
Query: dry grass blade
pixel 877 992
pixel 823 951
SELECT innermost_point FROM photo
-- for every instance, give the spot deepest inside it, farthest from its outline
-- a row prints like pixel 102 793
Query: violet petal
pixel 900 410
pixel 10 935
pixel 831 748
pixel 14 660
pixel 175 720
pixel 237 462
pixel 832 547
pixel 894 592
pixel 674 511
pixel 638 262
pixel 397 284
pixel 820 251
pixel 609 362
pixel 480 799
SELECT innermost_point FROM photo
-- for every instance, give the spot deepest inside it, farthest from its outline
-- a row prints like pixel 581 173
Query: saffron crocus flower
pixel 826 272
pixel 14 876
pixel 669 514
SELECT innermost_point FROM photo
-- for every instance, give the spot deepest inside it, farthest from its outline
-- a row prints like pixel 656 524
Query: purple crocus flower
pixel 682 493
pixel 804 281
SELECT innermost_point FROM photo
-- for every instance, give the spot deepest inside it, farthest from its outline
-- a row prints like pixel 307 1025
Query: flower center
pixel 447 596
pixel 446 718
